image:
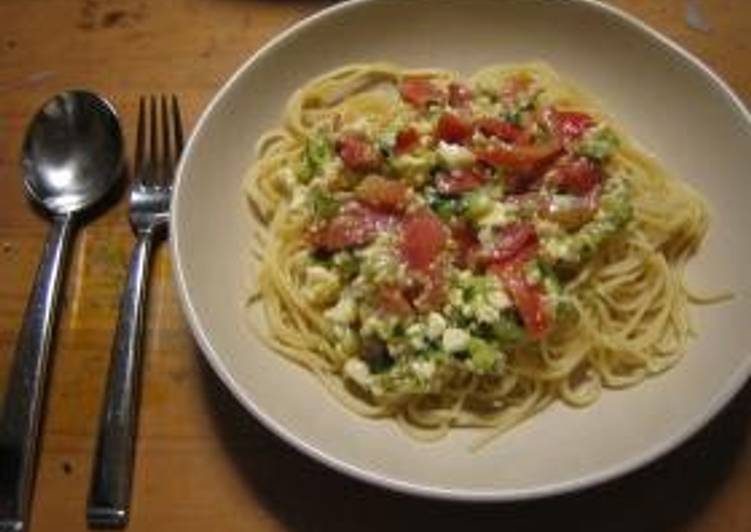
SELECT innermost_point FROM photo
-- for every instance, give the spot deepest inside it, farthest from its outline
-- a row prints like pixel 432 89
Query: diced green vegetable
pixel 600 144
pixel 316 154
pixel 347 264
pixel 324 205
pixel 477 204
pixel 507 331
pixel 484 356
pixel 444 207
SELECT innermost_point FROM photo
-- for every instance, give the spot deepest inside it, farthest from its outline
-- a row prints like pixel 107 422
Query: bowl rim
pixel 643 458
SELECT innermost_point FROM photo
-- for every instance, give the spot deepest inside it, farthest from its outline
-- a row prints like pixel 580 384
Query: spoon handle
pixel 109 495
pixel 24 399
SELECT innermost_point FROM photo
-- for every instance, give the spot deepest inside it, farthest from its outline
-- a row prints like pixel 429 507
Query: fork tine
pixel 153 173
pixel 140 141
pixel 178 128
pixel 167 164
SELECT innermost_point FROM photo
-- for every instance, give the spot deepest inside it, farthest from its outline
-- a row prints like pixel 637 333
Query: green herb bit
pixel 325 206
pixel 317 153
pixel 600 144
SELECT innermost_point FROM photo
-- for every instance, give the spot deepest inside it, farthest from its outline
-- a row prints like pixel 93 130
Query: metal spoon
pixel 72 157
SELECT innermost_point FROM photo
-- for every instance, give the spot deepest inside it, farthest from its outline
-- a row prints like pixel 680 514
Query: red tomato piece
pixel 578 176
pixel 517 240
pixel 433 294
pixel 524 159
pixel 357 153
pixel 382 193
pixel 467 246
pixel 423 239
pixel 406 140
pixel 527 298
pixel 493 127
pixel 392 300
pixel 355 225
pixel 459 95
pixel 575 213
pixel 453 129
pixel 458 181
pixel 572 124
pixel 420 92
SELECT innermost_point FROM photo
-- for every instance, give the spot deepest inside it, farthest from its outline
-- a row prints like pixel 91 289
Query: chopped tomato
pixel 493 127
pixel 406 140
pixel 577 210
pixel 458 181
pixel 517 183
pixel 524 159
pixel 382 193
pixel 459 95
pixel 568 124
pixel 517 240
pixel 420 92
pixel 355 225
pixel 453 129
pixel 467 246
pixel 527 298
pixel 423 239
pixel 578 176
pixel 357 153
pixel 392 300
pixel 433 294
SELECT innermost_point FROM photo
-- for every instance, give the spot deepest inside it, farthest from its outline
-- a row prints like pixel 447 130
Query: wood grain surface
pixel 202 463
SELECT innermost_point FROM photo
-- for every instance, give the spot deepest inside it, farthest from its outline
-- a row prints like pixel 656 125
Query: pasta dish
pixel 452 252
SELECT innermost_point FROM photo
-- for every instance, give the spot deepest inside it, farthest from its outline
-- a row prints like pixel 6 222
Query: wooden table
pixel 203 464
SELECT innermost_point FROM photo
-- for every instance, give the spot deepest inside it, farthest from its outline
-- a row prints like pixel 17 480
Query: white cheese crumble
pixel 455 156
pixel 500 215
pixel 435 326
pixel 416 336
pixel 320 284
pixel 344 312
pixel 358 371
pixel 423 369
pixel 455 340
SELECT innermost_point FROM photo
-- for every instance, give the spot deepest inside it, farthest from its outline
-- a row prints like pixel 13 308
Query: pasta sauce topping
pixel 442 234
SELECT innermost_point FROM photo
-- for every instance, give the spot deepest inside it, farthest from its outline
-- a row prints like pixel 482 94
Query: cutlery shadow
pixel 305 495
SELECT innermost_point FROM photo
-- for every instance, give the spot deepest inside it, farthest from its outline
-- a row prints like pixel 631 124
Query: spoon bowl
pixel 72 152
pixel 71 159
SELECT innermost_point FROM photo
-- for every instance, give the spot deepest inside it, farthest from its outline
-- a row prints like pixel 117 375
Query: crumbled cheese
pixel 321 285
pixel 455 340
pixel 299 198
pixel 423 127
pixel 358 371
pixel 498 298
pixel 344 312
pixel 416 336
pixel 423 369
pixel 533 273
pixel 560 249
pixel 348 342
pixel 455 156
pixel 436 325
pixel 500 215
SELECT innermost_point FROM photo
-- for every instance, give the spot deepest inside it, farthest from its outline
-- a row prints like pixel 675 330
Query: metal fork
pixel 110 490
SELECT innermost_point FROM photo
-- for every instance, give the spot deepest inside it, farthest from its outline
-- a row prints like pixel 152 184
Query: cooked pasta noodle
pixel 455 253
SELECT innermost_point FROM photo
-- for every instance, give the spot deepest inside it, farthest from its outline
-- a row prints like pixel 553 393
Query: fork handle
pixel 110 490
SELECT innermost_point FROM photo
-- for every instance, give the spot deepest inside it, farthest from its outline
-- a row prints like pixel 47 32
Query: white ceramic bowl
pixel 665 97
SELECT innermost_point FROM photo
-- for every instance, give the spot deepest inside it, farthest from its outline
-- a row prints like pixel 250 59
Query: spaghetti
pixel 455 253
